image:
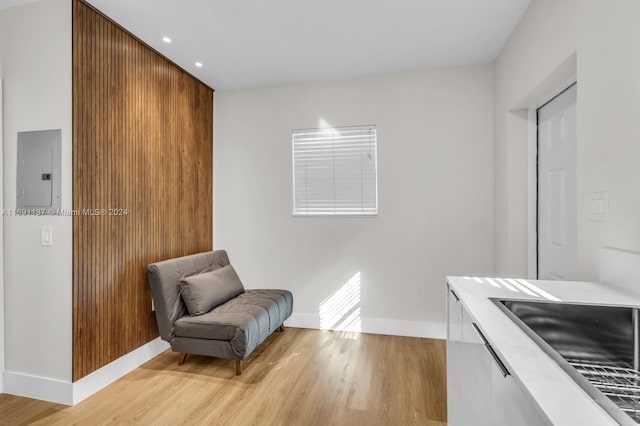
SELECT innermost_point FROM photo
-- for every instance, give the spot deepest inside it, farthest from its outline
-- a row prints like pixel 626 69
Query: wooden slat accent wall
pixel 142 141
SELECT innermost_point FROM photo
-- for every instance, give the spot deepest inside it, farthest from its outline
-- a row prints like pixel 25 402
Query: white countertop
pixel 558 396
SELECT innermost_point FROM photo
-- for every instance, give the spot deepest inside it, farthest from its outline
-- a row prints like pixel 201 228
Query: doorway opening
pixel 556 194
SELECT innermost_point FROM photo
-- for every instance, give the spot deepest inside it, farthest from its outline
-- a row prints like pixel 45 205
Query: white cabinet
pixel 468 370
pixel 476 364
pixel 512 404
pixel 455 382
pixel 480 389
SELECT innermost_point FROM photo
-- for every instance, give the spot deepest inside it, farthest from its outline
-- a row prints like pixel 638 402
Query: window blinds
pixel 334 171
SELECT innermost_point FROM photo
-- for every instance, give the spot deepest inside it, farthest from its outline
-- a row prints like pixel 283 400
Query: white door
pixel 557 235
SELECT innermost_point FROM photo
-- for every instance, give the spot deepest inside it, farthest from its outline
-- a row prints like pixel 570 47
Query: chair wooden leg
pixel 182 358
pixel 238 368
pixel 281 328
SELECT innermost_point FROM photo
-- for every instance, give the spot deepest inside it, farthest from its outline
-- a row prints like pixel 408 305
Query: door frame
pixel 532 175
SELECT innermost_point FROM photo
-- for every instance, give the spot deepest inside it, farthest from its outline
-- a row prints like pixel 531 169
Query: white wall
pixel 608 127
pixel 543 40
pixel 35 47
pixel 605 37
pixel 435 174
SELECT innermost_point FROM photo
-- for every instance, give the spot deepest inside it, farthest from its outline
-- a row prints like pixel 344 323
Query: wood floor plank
pixel 15 410
pixel 299 377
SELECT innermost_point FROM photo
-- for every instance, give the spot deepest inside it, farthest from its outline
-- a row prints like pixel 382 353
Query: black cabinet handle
pixel 455 296
pixel 479 333
pixel 494 355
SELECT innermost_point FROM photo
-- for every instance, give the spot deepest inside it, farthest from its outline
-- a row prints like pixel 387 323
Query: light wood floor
pixel 299 377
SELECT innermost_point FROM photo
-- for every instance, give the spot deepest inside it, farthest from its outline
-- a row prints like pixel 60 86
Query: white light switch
pixel 598 205
pixel 47 236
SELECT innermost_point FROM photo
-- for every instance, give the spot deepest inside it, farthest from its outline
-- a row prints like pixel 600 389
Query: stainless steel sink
pixel 598 346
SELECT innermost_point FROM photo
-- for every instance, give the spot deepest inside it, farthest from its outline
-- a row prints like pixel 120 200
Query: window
pixel 334 171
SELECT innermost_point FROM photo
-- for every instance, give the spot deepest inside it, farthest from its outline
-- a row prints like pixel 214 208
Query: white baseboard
pixel 68 393
pixel 111 372
pixel 44 388
pixel 430 330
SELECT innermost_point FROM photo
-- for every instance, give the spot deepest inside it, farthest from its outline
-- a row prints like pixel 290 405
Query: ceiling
pixel 249 43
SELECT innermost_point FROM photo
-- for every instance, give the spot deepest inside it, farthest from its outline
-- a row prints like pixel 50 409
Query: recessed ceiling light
pixel 166 39
pixel 199 64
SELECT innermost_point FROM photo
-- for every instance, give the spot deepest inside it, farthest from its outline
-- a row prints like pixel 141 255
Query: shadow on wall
pixel 341 310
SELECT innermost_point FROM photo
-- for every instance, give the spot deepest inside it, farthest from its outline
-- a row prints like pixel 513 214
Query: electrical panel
pixel 38 179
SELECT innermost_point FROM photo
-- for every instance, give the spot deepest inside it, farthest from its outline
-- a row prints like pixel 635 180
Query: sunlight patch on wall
pixel 341 310
pixel 323 124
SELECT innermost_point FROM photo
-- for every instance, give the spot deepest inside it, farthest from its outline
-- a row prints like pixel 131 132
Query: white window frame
pixel 356 214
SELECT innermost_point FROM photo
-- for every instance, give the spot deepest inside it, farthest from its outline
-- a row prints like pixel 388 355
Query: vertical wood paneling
pixel 143 139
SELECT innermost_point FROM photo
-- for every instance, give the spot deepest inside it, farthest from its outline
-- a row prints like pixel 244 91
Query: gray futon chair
pixel 202 307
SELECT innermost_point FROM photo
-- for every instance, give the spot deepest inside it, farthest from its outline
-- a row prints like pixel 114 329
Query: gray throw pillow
pixel 205 291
